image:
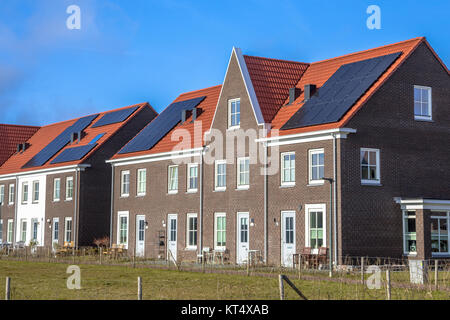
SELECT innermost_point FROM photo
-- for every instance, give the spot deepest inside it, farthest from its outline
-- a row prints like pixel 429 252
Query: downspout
pixel 335 198
pixel 266 211
pixel 16 203
pixel 76 206
pixel 200 246
pixel 112 207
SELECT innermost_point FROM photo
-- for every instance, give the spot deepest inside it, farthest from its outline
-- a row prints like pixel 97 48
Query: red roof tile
pixel 11 136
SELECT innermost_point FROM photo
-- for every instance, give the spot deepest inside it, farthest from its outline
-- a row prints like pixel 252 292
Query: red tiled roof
pixel 208 106
pixel 272 79
pixel 48 133
pixel 11 136
pixel 319 72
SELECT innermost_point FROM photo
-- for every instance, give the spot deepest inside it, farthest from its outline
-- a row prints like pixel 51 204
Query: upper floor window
pixel 125 184
pixel 2 194
pixel 220 182
pixel 192 178
pixel 422 103
pixel 234 113
pixel 56 189
pixel 370 166
pixel 24 192
pixel 11 194
pixel 141 182
pixel 35 191
pixel 173 179
pixel 288 168
pixel 243 173
pixel 316 166
pixel 69 188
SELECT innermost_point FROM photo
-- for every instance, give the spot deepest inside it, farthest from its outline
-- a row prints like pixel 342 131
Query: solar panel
pixel 59 142
pixel 160 126
pixel 115 117
pixel 73 154
pixel 342 90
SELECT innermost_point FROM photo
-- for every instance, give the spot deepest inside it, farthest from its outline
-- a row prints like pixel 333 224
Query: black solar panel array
pixel 59 142
pixel 160 126
pixel 340 92
pixel 73 154
pixel 115 117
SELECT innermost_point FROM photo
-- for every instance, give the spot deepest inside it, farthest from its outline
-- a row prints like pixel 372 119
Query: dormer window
pixel 234 113
pixel 422 103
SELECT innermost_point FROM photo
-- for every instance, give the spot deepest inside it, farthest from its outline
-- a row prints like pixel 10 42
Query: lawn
pixel 47 281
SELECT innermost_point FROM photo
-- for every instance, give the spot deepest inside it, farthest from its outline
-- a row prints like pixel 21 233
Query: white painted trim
pixel 219 215
pixel 216 164
pixel 31 174
pixel 73 187
pixel 289 183
pixel 122 174
pixel 138 171
pixel 188 177
pixel 188 216
pixel 430 104
pixel 119 215
pixel 378 155
pixel 319 207
pixel 238 174
pixel 310 179
pixel 283 232
pixel 174 191
pixel 423 204
pixel 156 157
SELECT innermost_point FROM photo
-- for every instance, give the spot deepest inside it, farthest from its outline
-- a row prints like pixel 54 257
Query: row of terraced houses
pixel 350 153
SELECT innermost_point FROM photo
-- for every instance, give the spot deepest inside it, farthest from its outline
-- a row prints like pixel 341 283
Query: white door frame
pixel 238 235
pixel 169 218
pixel 139 243
pixel 283 237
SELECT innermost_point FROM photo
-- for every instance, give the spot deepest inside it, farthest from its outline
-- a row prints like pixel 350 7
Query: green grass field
pixel 47 281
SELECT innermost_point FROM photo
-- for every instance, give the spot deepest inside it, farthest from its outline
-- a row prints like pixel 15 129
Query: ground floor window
pixel 68 230
pixel 409 232
pixel 123 228
pixel 1 231
pixel 221 231
pixel 23 230
pixel 55 229
pixel 192 230
pixel 440 233
pixel 9 237
pixel 315 227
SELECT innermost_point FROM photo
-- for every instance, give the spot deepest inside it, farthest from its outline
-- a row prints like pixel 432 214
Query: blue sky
pixel 128 52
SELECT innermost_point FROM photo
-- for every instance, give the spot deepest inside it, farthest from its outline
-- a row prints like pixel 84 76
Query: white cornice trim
pixel 10 176
pixel 156 157
pixel 423 204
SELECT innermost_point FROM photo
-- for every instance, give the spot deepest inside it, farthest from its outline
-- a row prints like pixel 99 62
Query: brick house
pixel 351 155
pixel 57 186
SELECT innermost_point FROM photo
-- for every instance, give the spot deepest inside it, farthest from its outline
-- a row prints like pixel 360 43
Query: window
pixel 11 194
pixel 192 178
pixel 2 194
pixel 55 228
pixel 98 137
pixel 234 113
pixel 35 225
pixel 422 103
pixel 192 231
pixel 440 233
pixel 9 235
pixel 409 232
pixel 370 166
pixel 220 228
pixel 1 231
pixel 125 184
pixel 23 230
pixel 288 169
pixel 24 192
pixel 123 228
pixel 69 188
pixel 315 227
pixel 141 182
pixel 173 179
pixel 68 230
pixel 243 173
pixel 221 175
pixel 56 189
pixel 316 166
pixel 36 191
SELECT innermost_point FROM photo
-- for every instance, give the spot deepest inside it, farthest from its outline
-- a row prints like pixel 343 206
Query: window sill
pixel 124 196
pixel 56 201
pixel 172 192
pixel 242 188
pixel 140 195
pixel 371 184
pixel 316 184
pixel 68 200
pixel 440 255
pixel 287 186
pixel 190 249
pixel 406 254
pixel 220 190
pixel 191 191
pixel 233 128
pixel 423 119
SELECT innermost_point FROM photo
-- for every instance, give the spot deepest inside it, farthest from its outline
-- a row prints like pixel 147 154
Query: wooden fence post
pixel 8 289
pixel 299 266
pixel 280 280
pixel 134 260
pixel 139 288
pixel 436 274
pixel 362 271
pixel 388 284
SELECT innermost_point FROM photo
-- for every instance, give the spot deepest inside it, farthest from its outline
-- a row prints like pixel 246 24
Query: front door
pixel 172 237
pixel 140 236
pixel 287 238
pixel 242 237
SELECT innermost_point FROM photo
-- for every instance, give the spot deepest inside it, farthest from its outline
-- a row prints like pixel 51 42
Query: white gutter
pixel 335 198
pixel 49 170
pixel 266 209
pixel 112 208
pixel 156 157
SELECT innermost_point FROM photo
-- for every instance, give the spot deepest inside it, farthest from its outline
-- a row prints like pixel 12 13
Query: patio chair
pixel 322 257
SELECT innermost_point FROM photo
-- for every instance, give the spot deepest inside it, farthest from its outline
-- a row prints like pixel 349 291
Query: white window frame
pixel 120 215
pixel 216 216
pixel 428 117
pixel 11 193
pixel 447 217
pixel 238 175
pixel 25 195
pixel 315 207
pixel 35 199
pixel 236 126
pixel 23 232
pixel 378 171
pixel 175 178
pixel 216 175
pixel 69 179
pixel 283 177
pixel 311 153
pixel 1 231
pixel 56 191
pixel 55 230
pixel 2 194
pixel 10 231
pixel 188 231
pixel 188 187
pixel 125 193
pixel 405 246
pixel 66 230
pixel 141 184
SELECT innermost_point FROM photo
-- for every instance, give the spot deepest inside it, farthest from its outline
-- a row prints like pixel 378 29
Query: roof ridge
pixel 279 60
